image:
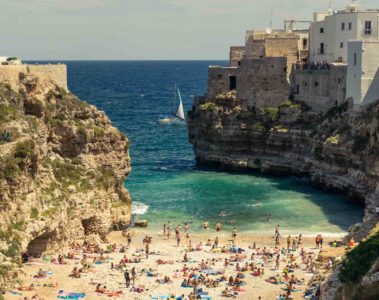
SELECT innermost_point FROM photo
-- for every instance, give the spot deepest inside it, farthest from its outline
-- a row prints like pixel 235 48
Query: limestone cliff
pixel 337 150
pixel 62 169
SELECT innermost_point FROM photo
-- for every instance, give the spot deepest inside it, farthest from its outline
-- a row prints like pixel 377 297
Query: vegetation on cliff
pixel 359 260
pixel 62 169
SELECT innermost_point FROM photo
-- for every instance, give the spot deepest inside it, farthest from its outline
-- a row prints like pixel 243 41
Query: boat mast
pixel 174 110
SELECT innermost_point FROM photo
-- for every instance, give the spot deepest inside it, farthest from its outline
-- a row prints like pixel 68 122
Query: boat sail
pixel 180 111
pixel 178 116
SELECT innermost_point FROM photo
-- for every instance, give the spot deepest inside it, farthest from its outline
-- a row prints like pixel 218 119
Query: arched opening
pixel 40 244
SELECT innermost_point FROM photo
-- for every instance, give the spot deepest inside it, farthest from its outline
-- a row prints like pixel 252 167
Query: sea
pixel 166 184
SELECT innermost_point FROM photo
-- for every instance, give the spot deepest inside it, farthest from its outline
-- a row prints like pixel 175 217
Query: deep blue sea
pixel 164 176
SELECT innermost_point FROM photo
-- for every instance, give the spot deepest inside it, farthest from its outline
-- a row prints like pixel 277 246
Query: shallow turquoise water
pixel 164 175
pixel 197 196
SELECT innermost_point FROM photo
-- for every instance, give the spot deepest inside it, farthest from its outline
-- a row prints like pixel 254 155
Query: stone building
pixel 14 73
pixel 258 72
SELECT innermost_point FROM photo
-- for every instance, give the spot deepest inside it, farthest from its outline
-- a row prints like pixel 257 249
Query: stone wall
pixel 320 89
pixel 262 82
pixel 55 73
pixel 283 47
pixel 236 55
pixel 218 80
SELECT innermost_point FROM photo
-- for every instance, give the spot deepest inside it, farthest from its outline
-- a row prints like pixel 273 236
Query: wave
pixel 139 208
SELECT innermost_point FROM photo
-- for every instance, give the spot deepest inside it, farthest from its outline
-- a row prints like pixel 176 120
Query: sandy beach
pixel 166 250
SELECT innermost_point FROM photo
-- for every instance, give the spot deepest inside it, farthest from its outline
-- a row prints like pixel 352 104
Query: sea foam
pixel 139 208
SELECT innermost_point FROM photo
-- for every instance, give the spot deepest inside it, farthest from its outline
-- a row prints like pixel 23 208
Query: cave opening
pixel 89 225
pixel 40 244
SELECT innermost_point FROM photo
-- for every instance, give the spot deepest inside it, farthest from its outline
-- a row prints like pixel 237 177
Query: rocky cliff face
pixel 62 169
pixel 338 150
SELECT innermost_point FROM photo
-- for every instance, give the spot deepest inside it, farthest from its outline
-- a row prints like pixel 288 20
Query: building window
pixel 316 83
pixel 341 45
pixel 350 25
pixel 297 89
pixel 219 76
pixel 355 59
pixel 305 44
pixel 322 50
pixel 322 30
pixel 343 26
pixel 232 83
pixel 367 27
pixel 239 62
pixel 339 80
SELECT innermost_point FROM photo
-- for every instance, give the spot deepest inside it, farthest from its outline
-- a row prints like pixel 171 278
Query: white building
pixel 331 32
pixel 362 80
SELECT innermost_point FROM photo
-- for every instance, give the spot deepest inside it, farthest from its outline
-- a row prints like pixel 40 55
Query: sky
pixel 142 29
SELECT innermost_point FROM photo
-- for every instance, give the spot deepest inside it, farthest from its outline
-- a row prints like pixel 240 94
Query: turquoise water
pixel 164 175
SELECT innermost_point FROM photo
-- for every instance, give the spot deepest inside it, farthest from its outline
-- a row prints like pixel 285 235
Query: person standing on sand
pixel 177 238
pixel 277 230
pixel 277 241
pixel 129 238
pixel 127 279
pixel 134 275
pixel 186 229
pixel 288 242
pixel 317 241
pixel 277 262
pixel 168 230
pixel 299 241
pixel 294 243
pixel 234 234
pixel 164 229
pixel 321 241
pixel 218 227
pixel 147 250
pixel 205 225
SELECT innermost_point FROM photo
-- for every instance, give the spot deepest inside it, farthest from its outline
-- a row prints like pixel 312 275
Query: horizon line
pixel 154 60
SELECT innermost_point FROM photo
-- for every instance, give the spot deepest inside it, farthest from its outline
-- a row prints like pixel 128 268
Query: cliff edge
pixel 62 170
pixel 337 150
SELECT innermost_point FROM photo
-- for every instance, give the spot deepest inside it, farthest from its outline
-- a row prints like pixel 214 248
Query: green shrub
pixel 270 112
pixel 290 104
pixel 24 149
pixel 34 213
pixel 5 137
pixel 66 172
pixel 98 131
pixel 13 249
pixel 208 106
pixel 81 130
pixel 7 113
pixel 106 177
pixel 49 212
pixel 359 260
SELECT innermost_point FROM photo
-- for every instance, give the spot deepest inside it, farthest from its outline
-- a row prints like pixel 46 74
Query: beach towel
pixel 72 296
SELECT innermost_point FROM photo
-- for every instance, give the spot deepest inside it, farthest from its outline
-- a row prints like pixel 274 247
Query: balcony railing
pixel 315 65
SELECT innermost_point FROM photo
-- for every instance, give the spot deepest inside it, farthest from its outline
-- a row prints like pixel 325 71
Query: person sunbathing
pixel 75 273
pixel 227 293
pixel 41 274
pixel 138 289
pixel 26 288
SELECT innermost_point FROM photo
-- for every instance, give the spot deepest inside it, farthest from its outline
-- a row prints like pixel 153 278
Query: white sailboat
pixel 178 114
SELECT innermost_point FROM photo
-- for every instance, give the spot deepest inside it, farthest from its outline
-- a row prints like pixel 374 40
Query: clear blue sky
pixel 141 29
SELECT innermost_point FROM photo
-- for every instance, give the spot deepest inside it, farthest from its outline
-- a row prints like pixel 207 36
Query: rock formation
pixel 62 172
pixel 337 150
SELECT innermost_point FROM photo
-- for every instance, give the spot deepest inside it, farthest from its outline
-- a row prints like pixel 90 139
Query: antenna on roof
pixel 271 15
